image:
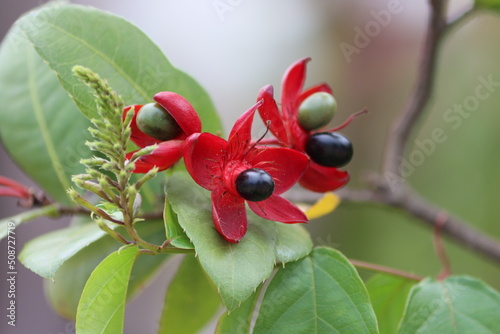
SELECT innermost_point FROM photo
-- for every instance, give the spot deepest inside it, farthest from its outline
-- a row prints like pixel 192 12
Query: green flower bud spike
pixel 316 111
pixel 155 121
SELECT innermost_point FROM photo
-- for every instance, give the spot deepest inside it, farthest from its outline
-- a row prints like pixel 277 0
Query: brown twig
pixel 440 248
pixel 417 206
pixel 402 127
pixel 398 194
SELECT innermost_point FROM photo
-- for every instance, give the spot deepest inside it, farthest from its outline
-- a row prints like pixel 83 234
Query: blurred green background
pixel 461 174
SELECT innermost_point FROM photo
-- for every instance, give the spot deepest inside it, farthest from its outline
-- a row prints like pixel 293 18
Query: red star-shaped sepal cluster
pixel 168 152
pixel 284 124
pixel 218 165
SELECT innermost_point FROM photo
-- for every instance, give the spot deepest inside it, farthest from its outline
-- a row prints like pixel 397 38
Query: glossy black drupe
pixel 329 149
pixel 254 184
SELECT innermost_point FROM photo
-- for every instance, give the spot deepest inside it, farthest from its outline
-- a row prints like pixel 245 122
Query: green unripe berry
pixel 317 111
pixel 155 121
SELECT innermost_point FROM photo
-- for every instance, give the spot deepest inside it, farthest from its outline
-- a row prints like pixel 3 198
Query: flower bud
pixel 155 121
pixel 317 111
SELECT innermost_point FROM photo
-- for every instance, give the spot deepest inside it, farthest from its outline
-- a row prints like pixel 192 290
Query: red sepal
pixel 293 81
pixel 229 215
pixel 181 110
pixel 315 89
pixel 322 179
pixel 285 165
pixel 278 209
pixel 270 114
pixel 10 192
pixel 164 156
pixel 203 158
pixel 13 188
pixel 241 133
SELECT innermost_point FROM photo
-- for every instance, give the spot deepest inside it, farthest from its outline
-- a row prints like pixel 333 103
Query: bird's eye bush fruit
pixel 254 185
pixel 329 149
pixel 316 111
pixel 155 121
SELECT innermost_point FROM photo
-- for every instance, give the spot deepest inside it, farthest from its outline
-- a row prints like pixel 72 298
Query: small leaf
pixel 239 320
pixel 459 304
pixel 102 306
pixel 11 223
pixel 8 225
pixel 189 290
pixel 321 293
pixel 45 254
pixel 173 230
pixel 388 294
pixel 65 289
pixel 491 4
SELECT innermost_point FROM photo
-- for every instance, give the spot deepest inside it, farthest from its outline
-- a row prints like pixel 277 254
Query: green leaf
pixel 491 4
pixel 388 294
pixel 45 254
pixel 190 290
pixel 65 289
pixel 173 230
pixel 236 269
pixel 69 35
pixel 459 304
pixel 40 125
pixel 146 266
pixel 8 226
pixel 239 320
pixel 292 242
pixel 11 223
pixel 321 293
pixel 102 305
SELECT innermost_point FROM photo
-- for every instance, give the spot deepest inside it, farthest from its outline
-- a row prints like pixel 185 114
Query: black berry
pixel 254 184
pixel 329 149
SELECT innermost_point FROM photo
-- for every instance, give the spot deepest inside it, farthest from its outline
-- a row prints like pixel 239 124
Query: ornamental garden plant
pixel 161 179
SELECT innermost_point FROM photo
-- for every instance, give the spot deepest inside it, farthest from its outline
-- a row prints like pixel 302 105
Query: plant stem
pixel 439 247
pixel 417 206
pixel 386 270
pixel 404 125
pixel 399 194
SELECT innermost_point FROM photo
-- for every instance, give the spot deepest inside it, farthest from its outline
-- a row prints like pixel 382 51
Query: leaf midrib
pixel 146 189
pixel 450 306
pixel 103 56
pixel 42 125
pixel 118 307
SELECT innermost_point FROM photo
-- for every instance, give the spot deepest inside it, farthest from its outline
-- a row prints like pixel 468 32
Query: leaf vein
pixel 42 124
